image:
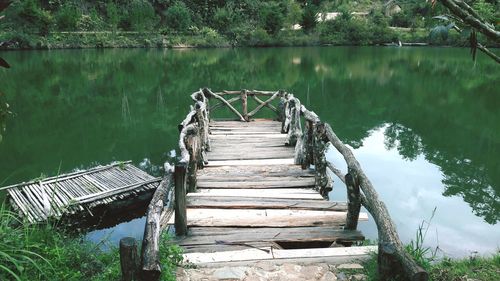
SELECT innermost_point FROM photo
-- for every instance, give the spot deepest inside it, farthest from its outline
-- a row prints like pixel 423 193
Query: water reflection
pixel 424 121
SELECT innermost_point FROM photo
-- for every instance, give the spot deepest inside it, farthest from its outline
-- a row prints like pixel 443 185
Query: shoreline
pixel 149 40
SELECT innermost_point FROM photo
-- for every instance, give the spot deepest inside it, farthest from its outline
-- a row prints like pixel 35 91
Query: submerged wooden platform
pixel 79 193
pixel 253 203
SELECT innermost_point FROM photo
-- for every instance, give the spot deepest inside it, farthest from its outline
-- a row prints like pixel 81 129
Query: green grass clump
pixel 477 268
pixel 30 252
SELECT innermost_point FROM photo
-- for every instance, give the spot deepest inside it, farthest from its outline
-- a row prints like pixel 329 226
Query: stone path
pixel 266 271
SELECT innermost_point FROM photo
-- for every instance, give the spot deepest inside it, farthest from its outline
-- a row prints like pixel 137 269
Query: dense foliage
pixel 229 22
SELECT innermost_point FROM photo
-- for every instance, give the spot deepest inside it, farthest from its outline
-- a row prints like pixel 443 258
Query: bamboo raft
pixel 248 190
pixel 80 193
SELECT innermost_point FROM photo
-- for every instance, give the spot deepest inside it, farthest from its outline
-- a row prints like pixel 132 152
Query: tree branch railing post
pixel 244 104
pixel 354 200
pixel 323 181
pixel 180 199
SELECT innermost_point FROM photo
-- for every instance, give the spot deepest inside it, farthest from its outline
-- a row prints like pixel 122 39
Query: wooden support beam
pixel 192 145
pixel 180 199
pixel 128 258
pixel 221 104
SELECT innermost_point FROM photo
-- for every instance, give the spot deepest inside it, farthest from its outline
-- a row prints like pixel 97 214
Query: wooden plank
pixel 255 178
pixel 256 170
pixel 246 136
pixel 257 156
pixel 262 203
pixel 244 133
pixel 283 161
pixel 211 235
pixel 284 193
pixel 265 217
pixel 258 184
pixel 259 255
pixel 211 248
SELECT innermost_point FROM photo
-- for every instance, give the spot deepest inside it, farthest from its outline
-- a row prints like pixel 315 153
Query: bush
pixel 113 15
pixel 272 18
pixel 90 22
pixel 178 17
pixel 29 17
pixel 223 20
pixel 67 16
pixel 309 21
pixel 141 15
pixel 402 19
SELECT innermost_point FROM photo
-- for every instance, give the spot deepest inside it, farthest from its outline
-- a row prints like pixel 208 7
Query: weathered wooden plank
pixel 283 161
pixel 211 235
pixel 257 137
pixel 244 133
pixel 265 218
pixel 262 203
pixel 256 170
pixel 278 254
pixel 256 156
pixel 284 193
pixel 259 184
pixel 257 178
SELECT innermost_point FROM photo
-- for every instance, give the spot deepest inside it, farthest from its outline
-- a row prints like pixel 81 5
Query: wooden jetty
pixel 81 193
pixel 249 189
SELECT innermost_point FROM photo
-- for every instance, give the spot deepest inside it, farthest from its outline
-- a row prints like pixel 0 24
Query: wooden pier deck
pixel 79 193
pixel 253 190
pixel 251 198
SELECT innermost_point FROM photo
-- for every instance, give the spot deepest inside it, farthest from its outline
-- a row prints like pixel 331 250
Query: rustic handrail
pixel 159 211
pixel 310 149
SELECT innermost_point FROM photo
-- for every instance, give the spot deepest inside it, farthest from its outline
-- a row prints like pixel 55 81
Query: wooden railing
pixel 310 146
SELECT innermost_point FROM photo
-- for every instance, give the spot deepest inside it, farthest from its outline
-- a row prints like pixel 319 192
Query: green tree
pixel 178 16
pixel 141 15
pixel 28 16
pixel 293 13
pixel 113 15
pixel 309 20
pixel 67 16
pixel 272 17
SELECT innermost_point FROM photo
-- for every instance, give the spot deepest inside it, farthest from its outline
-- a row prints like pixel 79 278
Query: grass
pixel 44 252
pixel 447 269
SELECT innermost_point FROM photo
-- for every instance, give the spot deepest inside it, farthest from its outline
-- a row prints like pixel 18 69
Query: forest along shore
pixel 35 24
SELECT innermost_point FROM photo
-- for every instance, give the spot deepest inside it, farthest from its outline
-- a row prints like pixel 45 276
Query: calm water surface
pixel 423 122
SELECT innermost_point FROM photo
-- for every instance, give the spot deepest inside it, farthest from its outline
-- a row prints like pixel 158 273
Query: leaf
pixel 4 4
pixel 3 63
pixel 473 44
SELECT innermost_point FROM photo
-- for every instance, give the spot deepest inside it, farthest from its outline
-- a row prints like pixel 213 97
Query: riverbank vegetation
pixel 45 252
pixel 194 23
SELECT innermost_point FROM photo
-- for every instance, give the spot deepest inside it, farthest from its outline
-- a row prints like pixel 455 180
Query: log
pixel 216 96
pixel 263 104
pixel 150 251
pixel 128 258
pixel 221 104
pixel 354 205
pixel 244 105
pixel 180 199
pixel 308 145
pixel 323 181
pixel 387 234
pixel 192 144
pixel 268 105
pixel 309 115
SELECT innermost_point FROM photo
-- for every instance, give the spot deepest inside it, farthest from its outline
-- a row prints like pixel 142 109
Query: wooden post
pixel 192 144
pixel 323 181
pixel 128 258
pixel 162 202
pixel 180 199
pixel 354 205
pixel 308 145
pixel 244 104
pixel 285 123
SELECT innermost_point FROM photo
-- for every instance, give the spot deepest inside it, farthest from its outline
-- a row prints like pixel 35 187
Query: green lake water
pixel 423 122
